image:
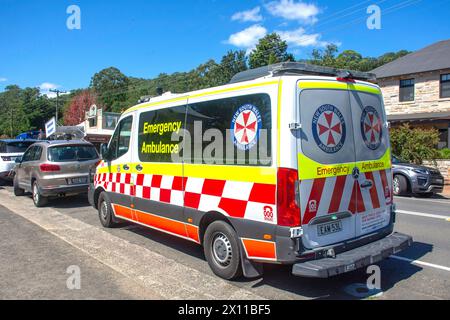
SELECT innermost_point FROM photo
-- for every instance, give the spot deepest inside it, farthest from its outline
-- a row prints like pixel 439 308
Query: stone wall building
pixel 416 89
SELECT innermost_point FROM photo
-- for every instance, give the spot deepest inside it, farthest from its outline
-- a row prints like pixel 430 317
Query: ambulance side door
pixel 119 179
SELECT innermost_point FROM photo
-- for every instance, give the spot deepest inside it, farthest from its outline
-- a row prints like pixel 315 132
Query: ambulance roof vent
pixel 300 68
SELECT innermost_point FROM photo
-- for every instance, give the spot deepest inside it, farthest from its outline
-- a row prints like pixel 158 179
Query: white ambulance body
pixel 313 189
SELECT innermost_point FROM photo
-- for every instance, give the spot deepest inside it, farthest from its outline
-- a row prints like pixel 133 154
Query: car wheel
pixel 38 199
pixel 400 185
pixel 18 192
pixel 105 212
pixel 222 250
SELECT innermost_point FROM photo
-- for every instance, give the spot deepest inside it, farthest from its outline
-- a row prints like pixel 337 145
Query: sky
pixel 146 37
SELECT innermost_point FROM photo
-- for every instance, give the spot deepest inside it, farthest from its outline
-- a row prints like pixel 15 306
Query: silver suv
pixel 55 169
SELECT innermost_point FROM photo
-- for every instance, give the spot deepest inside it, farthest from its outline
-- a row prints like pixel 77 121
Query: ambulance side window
pixel 120 142
pixel 161 135
pixel 231 131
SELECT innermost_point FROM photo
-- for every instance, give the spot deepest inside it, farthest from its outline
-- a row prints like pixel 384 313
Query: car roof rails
pixel 300 68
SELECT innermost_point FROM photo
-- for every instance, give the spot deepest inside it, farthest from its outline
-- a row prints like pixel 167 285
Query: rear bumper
pixel 69 190
pixel 353 259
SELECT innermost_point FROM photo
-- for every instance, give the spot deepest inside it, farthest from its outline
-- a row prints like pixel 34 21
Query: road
pixel 135 262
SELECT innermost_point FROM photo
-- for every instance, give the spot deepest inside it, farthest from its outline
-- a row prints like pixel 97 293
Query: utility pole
pixel 57 100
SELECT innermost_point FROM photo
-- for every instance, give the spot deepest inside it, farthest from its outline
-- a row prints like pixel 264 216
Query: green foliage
pixel 350 59
pixel 269 50
pixel 111 86
pixel 23 110
pixel 415 145
pixel 444 154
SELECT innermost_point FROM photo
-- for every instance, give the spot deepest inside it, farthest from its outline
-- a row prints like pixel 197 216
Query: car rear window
pixel 71 153
pixel 15 147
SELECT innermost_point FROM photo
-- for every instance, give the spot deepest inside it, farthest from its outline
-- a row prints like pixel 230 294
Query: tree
pixel 111 87
pixel 269 50
pixel 415 145
pixel 350 59
pixel 76 112
pixel 14 117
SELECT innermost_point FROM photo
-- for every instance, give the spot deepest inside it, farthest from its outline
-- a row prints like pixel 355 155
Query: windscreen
pixel 17 146
pixel 71 153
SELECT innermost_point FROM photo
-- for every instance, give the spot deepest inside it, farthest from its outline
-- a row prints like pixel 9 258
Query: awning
pixel 427 116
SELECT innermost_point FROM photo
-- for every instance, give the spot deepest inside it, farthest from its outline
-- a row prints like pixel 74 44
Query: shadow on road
pixel 392 272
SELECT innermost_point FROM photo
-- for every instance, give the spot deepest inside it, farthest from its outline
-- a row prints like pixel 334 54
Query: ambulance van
pixel 287 164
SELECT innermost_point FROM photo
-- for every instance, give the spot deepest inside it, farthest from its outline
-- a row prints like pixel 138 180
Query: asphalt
pixel 183 264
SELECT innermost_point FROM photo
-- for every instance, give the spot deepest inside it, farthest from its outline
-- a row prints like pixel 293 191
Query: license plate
pixel 329 228
pixel 82 180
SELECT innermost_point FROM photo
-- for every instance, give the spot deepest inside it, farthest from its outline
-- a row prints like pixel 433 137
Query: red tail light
pixel 45 167
pixel 287 198
pixel 346 80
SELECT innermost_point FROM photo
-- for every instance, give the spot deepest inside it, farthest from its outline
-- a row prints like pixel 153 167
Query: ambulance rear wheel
pixel 222 250
pixel 105 212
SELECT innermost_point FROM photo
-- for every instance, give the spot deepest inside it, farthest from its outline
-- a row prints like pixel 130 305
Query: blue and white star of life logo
pixel 245 126
pixel 329 129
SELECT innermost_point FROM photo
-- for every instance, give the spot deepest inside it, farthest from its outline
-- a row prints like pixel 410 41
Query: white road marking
pixel 426 215
pixel 422 263
pixel 443 201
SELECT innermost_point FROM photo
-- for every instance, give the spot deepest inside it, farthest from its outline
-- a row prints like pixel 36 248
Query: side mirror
pixel 104 152
pixel 18 160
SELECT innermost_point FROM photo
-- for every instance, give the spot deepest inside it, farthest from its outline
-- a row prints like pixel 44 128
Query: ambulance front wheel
pixel 222 250
pixel 105 212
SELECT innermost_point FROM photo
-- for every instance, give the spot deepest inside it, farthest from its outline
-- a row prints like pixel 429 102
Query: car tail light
pixel 4 158
pixel 287 198
pixel 45 167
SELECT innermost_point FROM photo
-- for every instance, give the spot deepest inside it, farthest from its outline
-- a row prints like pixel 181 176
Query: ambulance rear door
pixel 373 159
pixel 326 163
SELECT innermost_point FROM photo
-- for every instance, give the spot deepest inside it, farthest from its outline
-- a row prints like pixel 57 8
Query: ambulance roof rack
pixel 300 68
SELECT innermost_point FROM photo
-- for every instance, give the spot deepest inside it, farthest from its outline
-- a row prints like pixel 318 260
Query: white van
pixel 288 164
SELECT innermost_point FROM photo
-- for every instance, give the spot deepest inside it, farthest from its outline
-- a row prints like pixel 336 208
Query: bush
pixel 444 154
pixel 415 145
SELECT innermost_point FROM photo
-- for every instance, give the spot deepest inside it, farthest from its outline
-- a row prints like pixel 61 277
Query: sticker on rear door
pixel 329 129
pixel 371 128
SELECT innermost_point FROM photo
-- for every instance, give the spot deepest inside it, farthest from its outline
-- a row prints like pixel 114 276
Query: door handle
pixel 126 167
pixel 139 167
pixel 367 184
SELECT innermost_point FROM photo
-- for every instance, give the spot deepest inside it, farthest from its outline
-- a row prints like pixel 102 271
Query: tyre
pixel 38 199
pixel 400 185
pixel 18 192
pixel 222 250
pixel 105 211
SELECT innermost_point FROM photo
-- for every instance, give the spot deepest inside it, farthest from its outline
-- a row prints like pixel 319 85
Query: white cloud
pixel 45 88
pixel 252 15
pixel 292 10
pixel 299 38
pixel 3 79
pixel 247 38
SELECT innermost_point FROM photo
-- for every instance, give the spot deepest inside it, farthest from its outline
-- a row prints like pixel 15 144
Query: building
pixel 99 126
pixel 416 89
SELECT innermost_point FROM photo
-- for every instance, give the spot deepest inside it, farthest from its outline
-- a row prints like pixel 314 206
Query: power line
pixel 57 100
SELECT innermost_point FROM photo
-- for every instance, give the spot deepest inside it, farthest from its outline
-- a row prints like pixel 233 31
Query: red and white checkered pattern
pixel 236 199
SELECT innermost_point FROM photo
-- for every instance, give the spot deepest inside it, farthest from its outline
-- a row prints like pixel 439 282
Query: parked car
pixel 415 179
pixel 10 150
pixel 54 169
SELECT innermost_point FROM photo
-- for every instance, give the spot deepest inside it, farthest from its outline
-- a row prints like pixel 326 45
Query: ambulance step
pixel 353 259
